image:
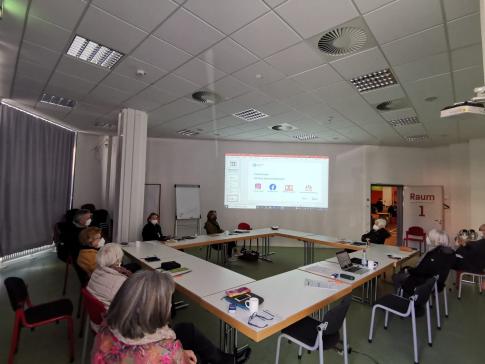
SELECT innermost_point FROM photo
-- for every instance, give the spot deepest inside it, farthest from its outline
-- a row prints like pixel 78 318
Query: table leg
pixel 265 250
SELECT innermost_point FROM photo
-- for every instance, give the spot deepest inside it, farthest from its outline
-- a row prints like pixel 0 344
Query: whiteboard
pixel 187 202
pixel 152 199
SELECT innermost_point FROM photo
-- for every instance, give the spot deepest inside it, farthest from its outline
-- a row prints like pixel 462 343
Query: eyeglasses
pixel 265 316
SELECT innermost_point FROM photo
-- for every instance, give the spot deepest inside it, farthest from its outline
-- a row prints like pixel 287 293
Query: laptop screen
pixel 343 259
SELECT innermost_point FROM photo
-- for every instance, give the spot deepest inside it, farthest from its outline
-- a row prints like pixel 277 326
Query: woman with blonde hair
pixel 137 328
pixel 91 240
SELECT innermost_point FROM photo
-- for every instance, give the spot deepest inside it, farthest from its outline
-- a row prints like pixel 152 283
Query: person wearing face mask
pixel 73 226
pixel 378 233
pixel 152 229
pixel 91 241
pixel 211 227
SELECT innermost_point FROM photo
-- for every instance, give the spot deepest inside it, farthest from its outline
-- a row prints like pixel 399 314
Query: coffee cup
pixel 137 243
pixel 252 304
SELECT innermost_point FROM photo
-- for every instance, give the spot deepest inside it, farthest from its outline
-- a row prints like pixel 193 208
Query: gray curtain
pixel 35 179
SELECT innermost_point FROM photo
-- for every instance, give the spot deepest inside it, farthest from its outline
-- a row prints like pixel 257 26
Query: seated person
pixel 470 255
pixel 137 328
pixel 437 261
pixel 91 240
pixel 152 229
pixel 109 275
pixel 100 220
pixel 89 206
pixel 76 221
pixel 211 227
pixel 378 233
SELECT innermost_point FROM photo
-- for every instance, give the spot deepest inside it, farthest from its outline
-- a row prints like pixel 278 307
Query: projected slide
pixel 276 181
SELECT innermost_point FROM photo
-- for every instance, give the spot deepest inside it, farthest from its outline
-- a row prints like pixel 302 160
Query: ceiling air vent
pixel 417 138
pixel 304 136
pixel 374 80
pixel 250 115
pixel 187 132
pixel 206 97
pixel 342 41
pixel 283 127
pixel 404 121
pixel 57 101
pixel 391 105
pixel 105 125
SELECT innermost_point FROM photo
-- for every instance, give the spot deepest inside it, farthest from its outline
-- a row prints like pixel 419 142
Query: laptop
pixel 346 264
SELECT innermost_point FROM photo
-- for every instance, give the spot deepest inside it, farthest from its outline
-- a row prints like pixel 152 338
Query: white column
pixel 130 175
pixel 477 181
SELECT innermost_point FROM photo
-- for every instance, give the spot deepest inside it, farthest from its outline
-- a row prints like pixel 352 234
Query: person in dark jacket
pixel 471 257
pixel 152 229
pixel 100 220
pixel 211 226
pixel 436 262
pixel 379 205
pixel 378 233
pixel 69 235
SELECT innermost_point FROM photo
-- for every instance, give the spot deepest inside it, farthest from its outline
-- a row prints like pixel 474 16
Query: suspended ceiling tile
pixel 76 67
pixel 466 80
pixel 150 99
pixel 309 17
pixel 277 35
pixel 359 64
pixel 464 31
pixel 199 72
pixel 316 78
pixel 393 21
pixel 296 59
pixel 366 6
pixel 129 66
pixel 228 56
pixel 220 13
pixel 103 28
pixel 424 67
pixel 188 32
pixel 63 13
pixel 123 83
pixel 466 57
pixel 258 74
pixel 42 56
pixel 456 9
pixel 176 85
pixel 160 54
pixel 146 14
pixel 45 34
pixel 383 94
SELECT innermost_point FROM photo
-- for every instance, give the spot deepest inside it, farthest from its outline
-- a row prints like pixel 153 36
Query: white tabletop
pixel 149 249
pixel 284 295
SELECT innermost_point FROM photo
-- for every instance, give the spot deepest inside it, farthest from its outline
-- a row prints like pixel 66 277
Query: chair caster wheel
pixel 447 316
pixel 439 328
pixel 385 327
pixel 299 357
pixel 430 345
pixel 370 341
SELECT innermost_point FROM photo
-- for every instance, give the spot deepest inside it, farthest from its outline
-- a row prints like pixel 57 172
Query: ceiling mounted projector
pixel 465 108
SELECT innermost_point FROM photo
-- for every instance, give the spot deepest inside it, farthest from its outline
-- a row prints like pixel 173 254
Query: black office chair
pixel 312 334
pixel 406 307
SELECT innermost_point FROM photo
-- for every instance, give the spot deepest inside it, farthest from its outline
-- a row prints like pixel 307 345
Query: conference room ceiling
pixel 253 54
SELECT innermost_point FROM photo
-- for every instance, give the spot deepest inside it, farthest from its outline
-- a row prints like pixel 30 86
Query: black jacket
pixel 376 237
pixel 152 232
pixel 471 257
pixel 69 236
pixel 212 227
pixel 436 262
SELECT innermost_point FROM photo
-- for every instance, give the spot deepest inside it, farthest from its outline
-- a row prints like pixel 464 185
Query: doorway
pixel 387 203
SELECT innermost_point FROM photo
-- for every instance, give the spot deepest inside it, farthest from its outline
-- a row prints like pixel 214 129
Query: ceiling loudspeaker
pixel 391 105
pixel 342 41
pixel 206 97
pixel 283 127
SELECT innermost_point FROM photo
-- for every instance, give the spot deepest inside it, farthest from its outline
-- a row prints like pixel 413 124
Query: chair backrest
pixel 334 318
pixel 81 274
pixel 416 231
pixel 94 307
pixel 17 292
pixel 422 292
pixel 244 226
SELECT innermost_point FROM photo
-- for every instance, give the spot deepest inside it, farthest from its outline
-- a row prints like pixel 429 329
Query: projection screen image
pixel 276 181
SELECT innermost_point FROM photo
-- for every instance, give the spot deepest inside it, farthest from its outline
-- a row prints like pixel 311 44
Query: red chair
pixel 245 226
pixel 34 316
pixel 96 311
pixel 415 234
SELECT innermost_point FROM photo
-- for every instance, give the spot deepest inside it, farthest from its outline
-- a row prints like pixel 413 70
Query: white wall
pixel 459 168
pixel 89 171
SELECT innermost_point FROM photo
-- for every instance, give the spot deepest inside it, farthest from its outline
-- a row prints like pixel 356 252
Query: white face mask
pixel 101 242
pixel 88 222
pixel 375 228
pixel 154 222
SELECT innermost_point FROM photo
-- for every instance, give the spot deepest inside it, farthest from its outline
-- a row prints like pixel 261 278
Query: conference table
pixel 287 297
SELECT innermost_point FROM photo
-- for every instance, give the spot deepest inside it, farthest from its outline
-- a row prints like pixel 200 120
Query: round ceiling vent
pixel 392 105
pixel 206 97
pixel 284 127
pixel 342 41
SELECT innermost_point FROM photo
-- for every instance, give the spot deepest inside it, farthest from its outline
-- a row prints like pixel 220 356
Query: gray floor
pixel 460 341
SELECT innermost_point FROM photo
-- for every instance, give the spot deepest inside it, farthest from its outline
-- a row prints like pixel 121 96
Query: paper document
pixel 327 284
pixel 320 270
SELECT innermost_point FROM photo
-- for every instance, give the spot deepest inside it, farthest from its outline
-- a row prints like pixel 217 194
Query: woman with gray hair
pixel 378 234
pixel 436 262
pixel 137 328
pixel 108 276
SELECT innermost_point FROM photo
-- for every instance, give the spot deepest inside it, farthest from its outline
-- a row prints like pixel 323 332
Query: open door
pixel 423 207
pixel 386 203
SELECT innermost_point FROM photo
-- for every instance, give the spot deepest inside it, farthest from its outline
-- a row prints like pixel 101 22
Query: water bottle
pixel 364 258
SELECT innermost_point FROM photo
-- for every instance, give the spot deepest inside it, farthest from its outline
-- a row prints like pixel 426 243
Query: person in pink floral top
pixel 137 331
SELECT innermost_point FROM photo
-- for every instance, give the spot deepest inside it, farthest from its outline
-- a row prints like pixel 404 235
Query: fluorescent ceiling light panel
pixel 374 80
pixel 304 136
pixel 187 132
pixel 57 101
pixel 417 138
pixel 404 121
pixel 93 52
pixel 250 115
